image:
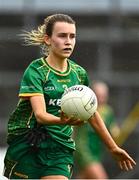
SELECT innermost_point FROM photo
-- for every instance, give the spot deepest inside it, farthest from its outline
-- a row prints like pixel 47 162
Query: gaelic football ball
pixel 79 101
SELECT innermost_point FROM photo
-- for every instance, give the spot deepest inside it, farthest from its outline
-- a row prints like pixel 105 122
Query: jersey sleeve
pixel 32 83
pixel 84 77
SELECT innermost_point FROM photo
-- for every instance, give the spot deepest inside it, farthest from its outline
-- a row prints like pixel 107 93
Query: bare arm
pixel 98 124
pixel 43 117
pixel 39 109
pixel 122 157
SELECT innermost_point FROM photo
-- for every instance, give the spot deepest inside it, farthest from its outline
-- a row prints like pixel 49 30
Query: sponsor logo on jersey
pixel 55 102
pixel 27 87
pixel 64 80
pixel 49 88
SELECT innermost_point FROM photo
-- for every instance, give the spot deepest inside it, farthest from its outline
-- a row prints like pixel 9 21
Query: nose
pixel 68 40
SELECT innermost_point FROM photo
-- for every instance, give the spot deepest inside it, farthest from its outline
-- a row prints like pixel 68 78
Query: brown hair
pixel 36 37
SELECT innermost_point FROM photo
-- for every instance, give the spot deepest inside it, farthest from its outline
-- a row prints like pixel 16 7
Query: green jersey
pixel 41 79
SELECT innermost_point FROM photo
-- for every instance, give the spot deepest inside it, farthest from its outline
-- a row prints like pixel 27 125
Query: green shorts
pixel 23 163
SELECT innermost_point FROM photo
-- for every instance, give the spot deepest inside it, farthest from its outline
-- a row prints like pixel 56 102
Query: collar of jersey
pixel 56 71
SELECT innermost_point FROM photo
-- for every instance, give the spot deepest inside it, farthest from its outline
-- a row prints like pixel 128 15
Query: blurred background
pixel 107 47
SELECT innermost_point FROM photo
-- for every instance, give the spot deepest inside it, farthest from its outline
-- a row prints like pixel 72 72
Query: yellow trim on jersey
pixel 55 71
pixel 47 75
pixel 28 122
pixel 30 94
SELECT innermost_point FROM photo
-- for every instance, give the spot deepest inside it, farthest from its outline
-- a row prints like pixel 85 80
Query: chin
pixel 65 56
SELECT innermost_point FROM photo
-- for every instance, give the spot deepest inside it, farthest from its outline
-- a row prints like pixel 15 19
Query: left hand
pixel 70 120
pixel 124 160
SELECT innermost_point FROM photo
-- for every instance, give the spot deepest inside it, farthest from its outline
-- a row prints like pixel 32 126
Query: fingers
pixel 129 162
pixel 132 161
pixel 124 160
pixel 76 122
pixel 70 120
pixel 63 115
pixel 127 165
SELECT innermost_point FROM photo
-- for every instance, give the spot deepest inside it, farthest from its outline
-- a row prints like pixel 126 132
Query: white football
pixel 79 101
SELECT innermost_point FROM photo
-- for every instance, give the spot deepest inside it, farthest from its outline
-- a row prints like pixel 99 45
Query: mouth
pixel 67 49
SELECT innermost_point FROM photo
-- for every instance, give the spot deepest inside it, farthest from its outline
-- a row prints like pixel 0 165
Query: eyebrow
pixel 67 33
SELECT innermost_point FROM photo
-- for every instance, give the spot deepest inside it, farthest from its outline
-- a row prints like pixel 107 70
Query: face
pixel 62 41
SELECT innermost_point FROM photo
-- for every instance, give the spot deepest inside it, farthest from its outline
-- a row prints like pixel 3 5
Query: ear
pixel 47 40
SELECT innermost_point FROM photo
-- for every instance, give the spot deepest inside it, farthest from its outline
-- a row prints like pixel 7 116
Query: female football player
pixel 39 135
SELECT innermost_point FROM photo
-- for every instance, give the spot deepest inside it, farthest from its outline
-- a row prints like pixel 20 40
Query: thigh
pixel 54 177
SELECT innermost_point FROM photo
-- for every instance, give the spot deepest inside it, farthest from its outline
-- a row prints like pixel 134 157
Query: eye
pixel 72 36
pixel 62 35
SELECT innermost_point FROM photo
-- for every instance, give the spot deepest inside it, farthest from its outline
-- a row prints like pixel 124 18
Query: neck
pixel 57 63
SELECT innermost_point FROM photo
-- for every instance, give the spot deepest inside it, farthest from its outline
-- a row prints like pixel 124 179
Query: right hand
pixel 124 160
pixel 70 120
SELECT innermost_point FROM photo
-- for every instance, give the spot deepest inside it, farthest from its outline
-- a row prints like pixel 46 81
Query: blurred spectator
pixel 90 150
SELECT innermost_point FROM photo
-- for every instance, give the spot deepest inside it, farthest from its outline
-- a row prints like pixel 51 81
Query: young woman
pixel 39 136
